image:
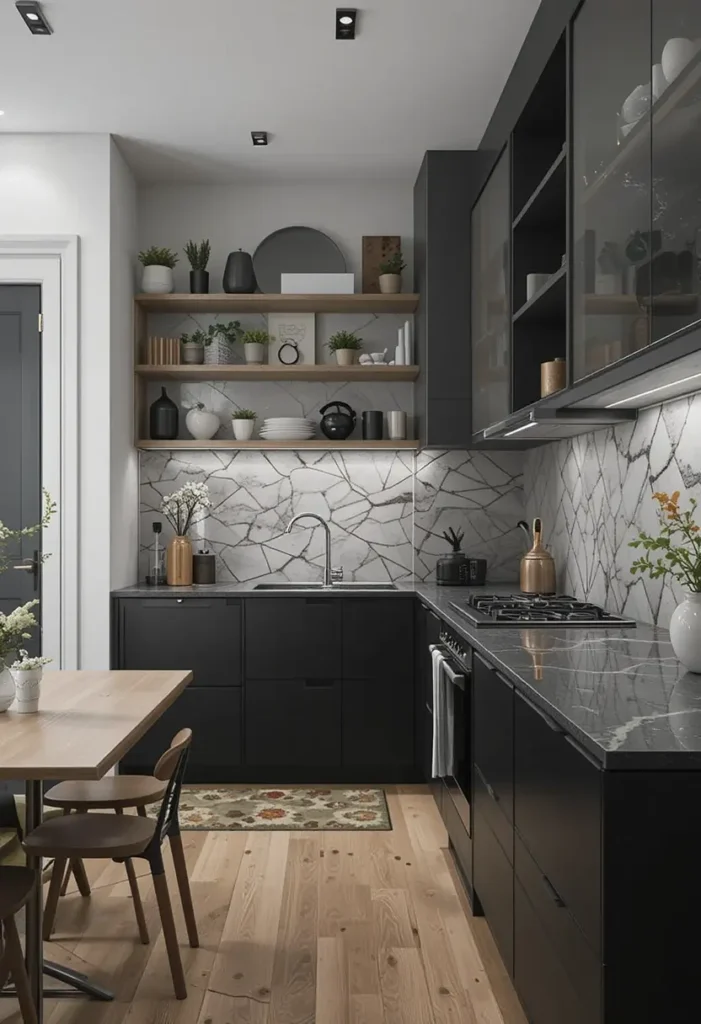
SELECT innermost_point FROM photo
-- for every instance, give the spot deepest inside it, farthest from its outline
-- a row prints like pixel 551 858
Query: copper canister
pixel 552 377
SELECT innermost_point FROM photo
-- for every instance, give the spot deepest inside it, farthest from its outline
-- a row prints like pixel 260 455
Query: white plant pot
pixel 345 356
pixel 390 284
pixel 27 689
pixel 157 280
pixel 685 632
pixel 243 429
pixel 255 352
pixel 676 55
pixel 7 687
pixel 202 424
pixel 218 352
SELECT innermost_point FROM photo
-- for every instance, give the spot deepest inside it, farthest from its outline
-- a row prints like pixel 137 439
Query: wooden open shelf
pixel 267 302
pixel 548 303
pixel 547 203
pixel 230 444
pixel 312 372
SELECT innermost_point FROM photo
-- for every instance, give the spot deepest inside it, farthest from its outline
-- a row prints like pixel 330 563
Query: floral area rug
pixel 249 809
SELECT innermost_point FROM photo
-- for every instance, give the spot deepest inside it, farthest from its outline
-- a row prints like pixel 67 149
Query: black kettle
pixel 337 426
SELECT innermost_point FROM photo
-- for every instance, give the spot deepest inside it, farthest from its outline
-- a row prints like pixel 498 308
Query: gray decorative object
pixel 238 274
pixel 296 250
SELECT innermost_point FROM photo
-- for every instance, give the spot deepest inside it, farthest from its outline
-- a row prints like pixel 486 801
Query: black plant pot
pixel 238 273
pixel 163 418
pixel 199 282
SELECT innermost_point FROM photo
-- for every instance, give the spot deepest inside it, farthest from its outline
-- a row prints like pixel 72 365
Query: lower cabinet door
pixel 293 723
pixel 214 715
pixel 493 881
pixel 378 721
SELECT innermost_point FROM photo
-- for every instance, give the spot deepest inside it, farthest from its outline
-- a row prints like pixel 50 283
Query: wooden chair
pixel 121 837
pixel 15 889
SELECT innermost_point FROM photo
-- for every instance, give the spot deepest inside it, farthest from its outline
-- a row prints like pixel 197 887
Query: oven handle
pixel 457 678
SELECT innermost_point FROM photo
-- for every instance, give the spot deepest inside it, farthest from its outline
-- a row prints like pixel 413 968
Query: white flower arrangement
pixel 25 664
pixel 15 627
pixel 181 507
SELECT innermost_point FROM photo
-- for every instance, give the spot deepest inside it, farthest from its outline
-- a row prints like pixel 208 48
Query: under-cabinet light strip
pixel 526 426
pixel 653 391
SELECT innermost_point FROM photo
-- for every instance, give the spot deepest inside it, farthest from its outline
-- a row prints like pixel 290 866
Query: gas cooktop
pixel 534 610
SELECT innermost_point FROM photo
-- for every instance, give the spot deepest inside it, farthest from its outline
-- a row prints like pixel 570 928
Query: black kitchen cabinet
pixel 493 876
pixel 197 633
pixel 493 709
pixel 293 723
pixel 293 638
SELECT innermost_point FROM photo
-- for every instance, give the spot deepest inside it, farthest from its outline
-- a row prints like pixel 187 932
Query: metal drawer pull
pixel 553 726
pixel 583 752
pixel 552 892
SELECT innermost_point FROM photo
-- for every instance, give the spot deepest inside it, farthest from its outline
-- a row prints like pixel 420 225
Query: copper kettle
pixel 538 565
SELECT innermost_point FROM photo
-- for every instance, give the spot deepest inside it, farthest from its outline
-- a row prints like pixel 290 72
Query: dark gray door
pixel 20 430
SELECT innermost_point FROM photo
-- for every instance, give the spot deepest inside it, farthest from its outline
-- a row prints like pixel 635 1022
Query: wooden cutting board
pixel 375 249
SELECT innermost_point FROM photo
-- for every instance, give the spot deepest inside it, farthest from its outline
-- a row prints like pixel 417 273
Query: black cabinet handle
pixel 319 600
pixel 582 752
pixel 318 684
pixel 552 892
pixel 541 714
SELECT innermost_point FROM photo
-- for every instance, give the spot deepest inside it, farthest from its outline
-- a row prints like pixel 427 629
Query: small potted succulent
pixel 254 345
pixel 198 255
pixel 192 347
pixel 219 342
pixel 242 421
pixel 390 278
pixel 158 263
pixel 27 673
pixel 346 345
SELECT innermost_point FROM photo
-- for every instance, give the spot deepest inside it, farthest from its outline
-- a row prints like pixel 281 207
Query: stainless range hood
pixel 548 424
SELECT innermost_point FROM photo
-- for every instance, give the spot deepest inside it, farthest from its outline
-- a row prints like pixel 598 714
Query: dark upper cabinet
pixel 293 638
pixel 490 236
pixel 614 237
pixel 445 190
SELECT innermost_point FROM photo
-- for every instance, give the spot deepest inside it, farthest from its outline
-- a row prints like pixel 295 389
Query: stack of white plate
pixel 287 428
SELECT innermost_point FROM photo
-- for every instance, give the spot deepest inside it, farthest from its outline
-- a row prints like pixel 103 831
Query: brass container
pixel 553 377
pixel 179 562
pixel 538 566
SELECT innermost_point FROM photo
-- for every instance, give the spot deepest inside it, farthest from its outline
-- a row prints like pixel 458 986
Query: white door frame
pixel 52 262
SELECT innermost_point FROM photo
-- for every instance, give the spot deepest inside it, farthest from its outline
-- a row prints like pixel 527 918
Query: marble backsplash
pixel 386 510
pixel 594 490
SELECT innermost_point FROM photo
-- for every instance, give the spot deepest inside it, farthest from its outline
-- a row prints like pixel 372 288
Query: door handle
pixel 31 565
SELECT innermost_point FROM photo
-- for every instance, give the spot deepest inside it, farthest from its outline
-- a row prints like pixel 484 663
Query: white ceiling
pixel 183 82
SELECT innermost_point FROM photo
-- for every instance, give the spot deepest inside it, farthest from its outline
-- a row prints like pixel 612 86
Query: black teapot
pixel 337 426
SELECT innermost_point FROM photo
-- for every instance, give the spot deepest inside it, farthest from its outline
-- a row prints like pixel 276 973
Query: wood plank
pixel 332 1006
pixel 343 898
pixel 294 976
pixel 366 1010
pixel 317 445
pixel 391 919
pixel 221 1009
pixel 404 993
pixel 405 302
pixel 323 372
pixel 424 823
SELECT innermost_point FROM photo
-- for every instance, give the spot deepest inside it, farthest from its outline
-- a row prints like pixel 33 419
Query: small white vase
pixel 27 689
pixel 7 687
pixel 255 352
pixel 685 632
pixel 202 424
pixel 243 429
pixel 390 284
pixel 157 280
pixel 675 56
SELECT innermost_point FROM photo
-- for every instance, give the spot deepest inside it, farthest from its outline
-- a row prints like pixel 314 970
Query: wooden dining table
pixel 86 722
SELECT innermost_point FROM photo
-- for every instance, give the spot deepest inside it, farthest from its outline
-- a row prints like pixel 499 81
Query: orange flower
pixel 661 496
pixel 271 813
pixel 675 497
pixel 694 529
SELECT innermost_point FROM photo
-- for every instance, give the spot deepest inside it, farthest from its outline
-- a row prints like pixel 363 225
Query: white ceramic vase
pixel 243 429
pixel 202 424
pixel 685 632
pixel 390 284
pixel 255 352
pixel 157 280
pixel 7 687
pixel 675 56
pixel 27 682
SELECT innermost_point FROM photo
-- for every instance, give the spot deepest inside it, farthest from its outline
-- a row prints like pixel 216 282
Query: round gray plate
pixel 295 251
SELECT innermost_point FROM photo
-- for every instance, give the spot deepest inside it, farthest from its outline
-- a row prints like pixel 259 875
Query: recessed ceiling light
pixel 33 17
pixel 346 18
pixel 259 138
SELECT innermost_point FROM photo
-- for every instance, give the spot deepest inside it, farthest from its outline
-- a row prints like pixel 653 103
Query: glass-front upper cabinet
pixel 676 165
pixel 491 314
pixel 613 239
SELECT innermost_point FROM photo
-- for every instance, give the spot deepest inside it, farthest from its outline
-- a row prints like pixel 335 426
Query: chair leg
pixel 142 811
pixel 13 950
pixel 81 877
pixel 138 905
pixel 171 939
pixel 66 880
pixel 176 848
pixel 52 898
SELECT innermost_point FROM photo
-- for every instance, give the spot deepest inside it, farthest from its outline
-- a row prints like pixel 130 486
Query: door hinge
pixel 41 322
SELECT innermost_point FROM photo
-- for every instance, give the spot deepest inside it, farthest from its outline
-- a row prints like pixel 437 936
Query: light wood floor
pixel 295 928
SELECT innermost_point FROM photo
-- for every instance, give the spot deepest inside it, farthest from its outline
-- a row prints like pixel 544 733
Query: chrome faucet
pixel 331 576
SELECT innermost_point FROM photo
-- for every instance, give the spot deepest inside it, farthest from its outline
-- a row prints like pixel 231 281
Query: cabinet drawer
pixel 577 959
pixel 487 806
pixel 558 813
pixel 493 703
pixel 493 880
pixel 459 838
pixel 293 638
pixel 542 984
pixel 197 633
pixel 369 626
pixel 293 722
pixel 378 721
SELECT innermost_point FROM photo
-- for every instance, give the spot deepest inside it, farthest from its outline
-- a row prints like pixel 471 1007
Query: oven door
pixel 459 780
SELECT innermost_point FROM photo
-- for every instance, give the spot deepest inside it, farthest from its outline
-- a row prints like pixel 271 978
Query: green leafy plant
pixel 344 339
pixel 454 538
pixel 15 625
pixel 197 337
pixel 230 332
pixel 198 255
pixel 158 256
pixel 256 338
pixel 393 264
pixel 678 544
pixel 243 414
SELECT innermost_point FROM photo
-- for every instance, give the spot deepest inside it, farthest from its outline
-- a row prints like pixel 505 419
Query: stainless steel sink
pixel 320 586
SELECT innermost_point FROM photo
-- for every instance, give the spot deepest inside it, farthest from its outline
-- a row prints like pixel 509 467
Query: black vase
pixel 199 282
pixel 238 273
pixel 163 419
pixel 372 425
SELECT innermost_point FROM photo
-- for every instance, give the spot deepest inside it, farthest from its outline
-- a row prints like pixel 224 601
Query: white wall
pixel 240 216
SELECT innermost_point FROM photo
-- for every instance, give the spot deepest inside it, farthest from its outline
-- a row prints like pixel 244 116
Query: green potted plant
pixel 219 342
pixel 242 421
pixel 158 263
pixel 192 347
pixel 198 255
pixel 346 345
pixel 254 345
pixel 390 278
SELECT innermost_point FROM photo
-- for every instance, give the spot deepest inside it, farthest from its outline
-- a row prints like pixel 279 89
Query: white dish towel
pixel 443 717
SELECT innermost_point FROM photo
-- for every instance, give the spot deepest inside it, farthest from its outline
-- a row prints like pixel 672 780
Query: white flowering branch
pixel 25 664
pixel 8 536
pixel 181 507
pixel 15 627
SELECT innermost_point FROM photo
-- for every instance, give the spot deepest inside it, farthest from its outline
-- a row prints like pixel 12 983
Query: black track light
pixel 259 138
pixel 346 20
pixel 33 17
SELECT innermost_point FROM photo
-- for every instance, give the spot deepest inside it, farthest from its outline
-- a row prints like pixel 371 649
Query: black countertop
pixel 621 693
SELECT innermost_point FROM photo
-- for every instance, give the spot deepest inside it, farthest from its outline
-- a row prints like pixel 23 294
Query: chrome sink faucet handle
pixel 337 574
pixel 329 573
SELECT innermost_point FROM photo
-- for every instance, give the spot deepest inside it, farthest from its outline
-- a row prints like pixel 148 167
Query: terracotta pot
pixel 345 356
pixel 390 284
pixel 179 562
